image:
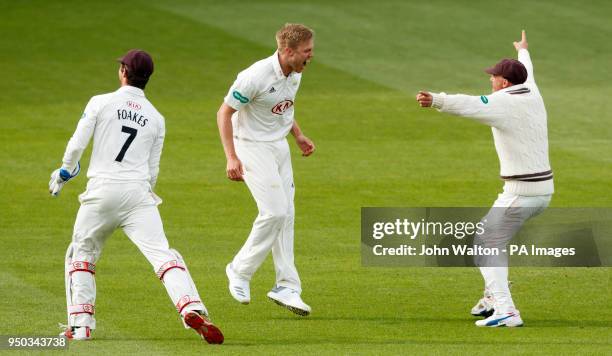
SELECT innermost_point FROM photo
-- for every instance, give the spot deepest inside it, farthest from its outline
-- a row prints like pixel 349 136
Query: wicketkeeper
pixel 128 135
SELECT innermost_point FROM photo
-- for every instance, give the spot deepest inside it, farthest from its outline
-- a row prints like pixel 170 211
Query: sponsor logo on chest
pixel 281 107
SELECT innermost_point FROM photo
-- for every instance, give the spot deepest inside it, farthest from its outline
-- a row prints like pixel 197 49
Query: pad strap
pixel 83 267
pixel 185 301
pixel 168 266
pixel 81 308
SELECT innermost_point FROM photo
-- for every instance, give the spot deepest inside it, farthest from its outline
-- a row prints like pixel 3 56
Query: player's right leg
pixel 95 221
pixel 264 181
pixel 142 223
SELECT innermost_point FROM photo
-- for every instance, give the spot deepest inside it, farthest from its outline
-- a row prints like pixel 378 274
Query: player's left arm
pixel 524 57
pixel 74 150
pixel 303 142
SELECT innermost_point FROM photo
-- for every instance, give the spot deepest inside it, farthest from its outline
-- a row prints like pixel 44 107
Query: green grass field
pixel 375 147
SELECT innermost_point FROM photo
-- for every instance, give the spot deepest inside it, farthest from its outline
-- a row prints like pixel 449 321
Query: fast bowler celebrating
pixel 254 119
pixel 516 113
pixel 128 135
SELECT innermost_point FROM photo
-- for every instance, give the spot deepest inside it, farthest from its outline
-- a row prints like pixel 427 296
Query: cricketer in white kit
pixel 516 113
pixel 128 135
pixel 254 120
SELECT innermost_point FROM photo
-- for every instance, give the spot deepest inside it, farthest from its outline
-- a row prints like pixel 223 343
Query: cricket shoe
pixel 511 318
pixel 76 332
pixel 290 299
pixel 484 307
pixel 238 287
pixel 204 327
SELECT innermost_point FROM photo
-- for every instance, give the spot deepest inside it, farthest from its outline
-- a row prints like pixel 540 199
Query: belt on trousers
pixel 249 140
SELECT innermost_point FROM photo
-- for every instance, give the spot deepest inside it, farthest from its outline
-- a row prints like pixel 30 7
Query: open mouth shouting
pixel 304 64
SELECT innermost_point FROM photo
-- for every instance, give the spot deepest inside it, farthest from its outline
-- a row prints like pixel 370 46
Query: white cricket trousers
pixel 502 222
pixel 269 176
pixel 105 206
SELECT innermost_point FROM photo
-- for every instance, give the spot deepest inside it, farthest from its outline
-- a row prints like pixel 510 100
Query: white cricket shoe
pixel 238 287
pixel 484 307
pixel 290 299
pixel 511 318
pixel 76 332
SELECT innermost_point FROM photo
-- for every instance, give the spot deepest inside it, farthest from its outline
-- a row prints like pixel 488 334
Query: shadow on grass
pixel 301 341
pixel 547 323
pixel 476 344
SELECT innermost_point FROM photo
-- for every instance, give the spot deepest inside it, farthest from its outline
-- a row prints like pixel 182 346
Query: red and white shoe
pixel 77 333
pixel 204 327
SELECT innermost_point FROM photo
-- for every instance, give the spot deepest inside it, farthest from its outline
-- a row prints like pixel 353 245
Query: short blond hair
pixel 292 34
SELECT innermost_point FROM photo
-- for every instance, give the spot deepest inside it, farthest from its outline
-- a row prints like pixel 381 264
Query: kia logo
pixel 133 105
pixel 281 107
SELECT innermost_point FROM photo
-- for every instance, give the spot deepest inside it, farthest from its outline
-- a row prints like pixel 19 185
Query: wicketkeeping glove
pixel 59 177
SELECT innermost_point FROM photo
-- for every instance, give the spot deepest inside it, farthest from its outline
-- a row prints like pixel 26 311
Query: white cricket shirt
pixel 517 117
pixel 128 135
pixel 263 97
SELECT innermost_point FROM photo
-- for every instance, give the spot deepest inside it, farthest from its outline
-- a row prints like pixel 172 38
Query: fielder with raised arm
pixel 128 135
pixel 254 119
pixel 516 113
